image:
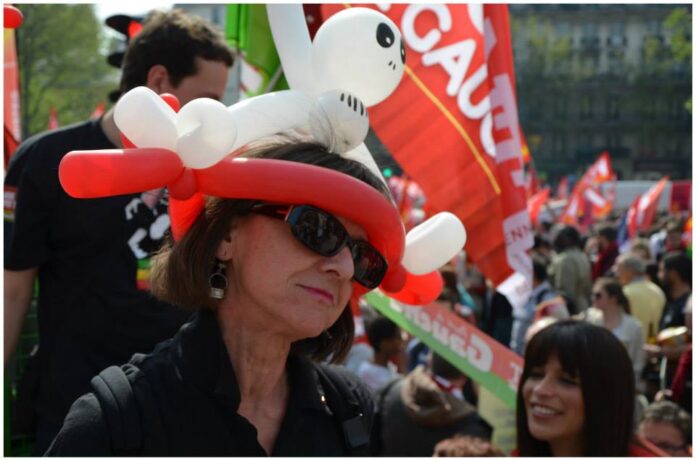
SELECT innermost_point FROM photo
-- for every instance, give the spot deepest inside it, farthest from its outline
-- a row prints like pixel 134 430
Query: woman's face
pixel 279 283
pixel 600 298
pixel 553 402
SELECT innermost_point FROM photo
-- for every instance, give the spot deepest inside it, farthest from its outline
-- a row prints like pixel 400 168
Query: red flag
pixel 562 189
pixel 586 196
pixel 98 110
pixel 526 154
pixel 452 126
pixel 536 202
pixel 12 129
pixel 53 118
pixel 642 211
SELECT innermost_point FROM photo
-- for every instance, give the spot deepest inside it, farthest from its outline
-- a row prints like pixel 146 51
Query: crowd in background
pixel 637 289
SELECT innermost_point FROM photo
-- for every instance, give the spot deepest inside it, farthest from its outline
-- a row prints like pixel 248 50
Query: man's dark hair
pixel 607 231
pixel 680 263
pixel 444 369
pixel 381 329
pixel 601 364
pixel 539 268
pixel 669 412
pixel 173 39
pixel 567 238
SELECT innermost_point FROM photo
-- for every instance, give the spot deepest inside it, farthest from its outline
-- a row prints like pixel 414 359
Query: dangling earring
pixel 218 282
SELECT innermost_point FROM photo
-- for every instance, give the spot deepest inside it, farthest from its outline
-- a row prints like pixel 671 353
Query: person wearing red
pixel 608 250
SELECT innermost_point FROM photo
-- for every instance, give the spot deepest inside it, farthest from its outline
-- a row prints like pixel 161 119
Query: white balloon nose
pixel 207 133
pixel 145 119
pixel 433 243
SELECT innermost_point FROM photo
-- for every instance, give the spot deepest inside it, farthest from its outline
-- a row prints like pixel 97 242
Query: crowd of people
pixel 238 338
pixel 617 326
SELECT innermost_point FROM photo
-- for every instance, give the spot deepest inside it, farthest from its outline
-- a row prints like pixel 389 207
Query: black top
pixel 92 310
pixel 673 315
pixel 188 397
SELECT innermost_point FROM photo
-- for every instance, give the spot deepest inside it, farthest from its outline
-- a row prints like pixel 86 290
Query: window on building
pixel 617 34
pixel 586 110
pixel 613 107
pixel 590 35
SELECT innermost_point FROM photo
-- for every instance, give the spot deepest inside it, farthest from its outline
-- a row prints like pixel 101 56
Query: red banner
pixel 536 202
pixel 452 126
pixel 586 202
pixel 680 197
pixel 642 211
pixel 13 131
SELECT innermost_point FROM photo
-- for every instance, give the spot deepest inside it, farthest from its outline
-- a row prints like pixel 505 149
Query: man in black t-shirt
pixel 91 257
pixel 675 275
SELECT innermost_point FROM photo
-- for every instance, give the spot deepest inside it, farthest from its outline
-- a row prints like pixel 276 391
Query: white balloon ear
pixel 145 119
pixel 206 131
pixel 431 244
pixel 340 121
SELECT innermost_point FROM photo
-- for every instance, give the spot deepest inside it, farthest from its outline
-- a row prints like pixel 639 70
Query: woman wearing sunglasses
pixel 612 310
pixel 575 396
pixel 270 283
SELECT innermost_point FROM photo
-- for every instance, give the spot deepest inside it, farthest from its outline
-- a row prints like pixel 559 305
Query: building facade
pixel 603 77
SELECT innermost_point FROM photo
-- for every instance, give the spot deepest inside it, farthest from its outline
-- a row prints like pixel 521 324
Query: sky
pixel 108 8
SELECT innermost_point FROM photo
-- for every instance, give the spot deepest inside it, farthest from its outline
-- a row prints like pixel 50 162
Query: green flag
pixel 248 31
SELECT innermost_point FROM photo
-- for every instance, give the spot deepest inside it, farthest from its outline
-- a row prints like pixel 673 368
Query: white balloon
pixel 360 51
pixel 270 114
pixel 431 244
pixel 206 131
pixel 362 154
pixel 340 121
pixel 145 119
pixel 293 44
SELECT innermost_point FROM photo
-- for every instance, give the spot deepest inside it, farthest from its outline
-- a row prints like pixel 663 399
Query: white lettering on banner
pixel 480 355
pixel 486 133
pixel 477 352
pixel 474 111
pixel 503 96
pixel 476 14
pixel 516 375
pixel 455 60
pixel 489 37
pixel 428 41
pixel 518 232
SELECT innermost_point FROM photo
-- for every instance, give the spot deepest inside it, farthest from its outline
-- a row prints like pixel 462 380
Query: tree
pixel 60 64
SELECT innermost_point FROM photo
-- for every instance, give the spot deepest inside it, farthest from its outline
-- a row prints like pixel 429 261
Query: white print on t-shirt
pixel 154 223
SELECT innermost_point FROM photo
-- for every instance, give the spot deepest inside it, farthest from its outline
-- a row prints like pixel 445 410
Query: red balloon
pixel 171 100
pixel 183 213
pixel 419 290
pixel 184 186
pixel 105 173
pixel 13 17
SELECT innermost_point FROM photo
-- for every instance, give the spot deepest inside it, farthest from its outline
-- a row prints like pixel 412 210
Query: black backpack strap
pixel 345 406
pixel 376 442
pixel 117 400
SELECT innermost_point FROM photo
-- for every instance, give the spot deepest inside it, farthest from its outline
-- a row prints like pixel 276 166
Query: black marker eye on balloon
pixel 385 36
pixel 403 52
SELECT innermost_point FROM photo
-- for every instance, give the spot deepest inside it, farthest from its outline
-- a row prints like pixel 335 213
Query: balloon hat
pixel 195 151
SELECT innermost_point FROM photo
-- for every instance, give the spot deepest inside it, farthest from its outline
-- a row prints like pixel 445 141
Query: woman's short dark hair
pixel 173 39
pixel 180 271
pixel 604 369
pixel 614 290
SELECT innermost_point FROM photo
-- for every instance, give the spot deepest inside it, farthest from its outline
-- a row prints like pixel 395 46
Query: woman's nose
pixel 341 264
pixel 544 386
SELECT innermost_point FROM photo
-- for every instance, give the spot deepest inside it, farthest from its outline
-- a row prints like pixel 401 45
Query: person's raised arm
pixel 17 298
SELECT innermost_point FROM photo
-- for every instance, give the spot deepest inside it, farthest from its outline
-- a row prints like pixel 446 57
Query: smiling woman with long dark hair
pixel 576 393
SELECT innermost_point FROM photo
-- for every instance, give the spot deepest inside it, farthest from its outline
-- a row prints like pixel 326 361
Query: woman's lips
pixel 323 294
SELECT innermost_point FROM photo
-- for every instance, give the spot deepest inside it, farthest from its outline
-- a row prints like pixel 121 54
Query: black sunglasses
pixel 322 233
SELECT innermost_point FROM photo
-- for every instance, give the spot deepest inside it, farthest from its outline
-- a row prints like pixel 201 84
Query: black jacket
pixel 187 396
